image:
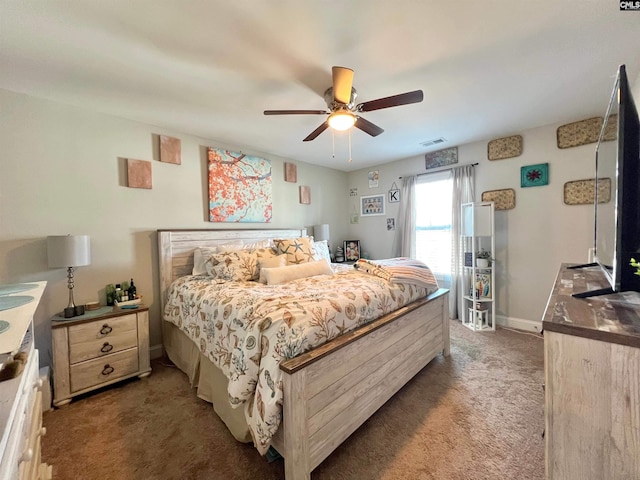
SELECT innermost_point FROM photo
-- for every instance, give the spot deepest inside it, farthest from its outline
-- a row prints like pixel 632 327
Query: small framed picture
pixel 351 250
pixel 391 223
pixel 372 205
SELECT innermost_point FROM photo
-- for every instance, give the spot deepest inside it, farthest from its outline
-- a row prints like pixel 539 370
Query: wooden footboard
pixel 332 390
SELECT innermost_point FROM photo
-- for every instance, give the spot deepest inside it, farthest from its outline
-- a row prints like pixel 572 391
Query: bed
pixel 326 392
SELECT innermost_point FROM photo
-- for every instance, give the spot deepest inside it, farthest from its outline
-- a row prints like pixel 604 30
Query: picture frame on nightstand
pixel 351 250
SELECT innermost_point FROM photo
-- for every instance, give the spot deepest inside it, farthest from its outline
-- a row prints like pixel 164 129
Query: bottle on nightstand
pixel 132 291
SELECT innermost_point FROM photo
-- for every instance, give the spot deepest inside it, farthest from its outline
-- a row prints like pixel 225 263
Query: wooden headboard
pixel 175 248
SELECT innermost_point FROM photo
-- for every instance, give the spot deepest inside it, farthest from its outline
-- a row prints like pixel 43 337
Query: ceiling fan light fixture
pixel 341 120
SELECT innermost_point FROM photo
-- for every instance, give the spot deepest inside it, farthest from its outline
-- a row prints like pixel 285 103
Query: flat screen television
pixel 617 209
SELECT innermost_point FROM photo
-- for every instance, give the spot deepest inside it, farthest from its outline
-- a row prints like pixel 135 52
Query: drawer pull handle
pixel 107 347
pixel 106 329
pixel 108 369
pixel 43 431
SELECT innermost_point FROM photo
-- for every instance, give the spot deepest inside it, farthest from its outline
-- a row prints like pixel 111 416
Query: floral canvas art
pixel 240 187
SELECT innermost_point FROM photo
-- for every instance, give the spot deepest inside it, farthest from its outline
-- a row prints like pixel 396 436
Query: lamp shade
pixel 321 232
pixel 65 251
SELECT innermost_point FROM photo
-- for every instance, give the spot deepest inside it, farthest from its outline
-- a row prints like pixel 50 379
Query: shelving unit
pixel 478 292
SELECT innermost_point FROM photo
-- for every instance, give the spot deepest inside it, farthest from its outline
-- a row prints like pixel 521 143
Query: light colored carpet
pixel 475 415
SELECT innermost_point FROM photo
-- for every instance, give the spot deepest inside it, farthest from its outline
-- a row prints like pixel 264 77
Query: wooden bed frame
pixel 333 389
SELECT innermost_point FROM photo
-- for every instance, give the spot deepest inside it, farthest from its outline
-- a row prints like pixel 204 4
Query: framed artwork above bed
pixel 240 187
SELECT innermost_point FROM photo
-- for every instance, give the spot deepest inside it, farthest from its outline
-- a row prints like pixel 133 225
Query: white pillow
pixel 240 245
pixel 270 262
pixel 201 254
pixel 278 275
pixel 322 251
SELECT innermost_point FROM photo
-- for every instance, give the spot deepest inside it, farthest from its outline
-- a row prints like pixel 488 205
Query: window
pixel 434 194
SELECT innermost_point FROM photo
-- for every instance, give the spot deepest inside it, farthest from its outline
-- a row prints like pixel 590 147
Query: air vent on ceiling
pixel 436 141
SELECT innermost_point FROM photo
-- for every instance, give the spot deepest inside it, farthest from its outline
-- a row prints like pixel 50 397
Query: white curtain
pixel 404 244
pixel 463 192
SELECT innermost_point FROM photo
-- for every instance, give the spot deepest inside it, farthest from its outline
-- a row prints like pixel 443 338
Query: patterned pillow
pixel 322 251
pixel 200 254
pixel 297 250
pixel 237 266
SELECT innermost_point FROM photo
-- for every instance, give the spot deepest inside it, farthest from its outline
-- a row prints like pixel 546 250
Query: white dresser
pixel 21 397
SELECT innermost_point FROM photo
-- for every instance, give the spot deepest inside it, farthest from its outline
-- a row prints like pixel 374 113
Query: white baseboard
pixel 519 323
pixel 155 351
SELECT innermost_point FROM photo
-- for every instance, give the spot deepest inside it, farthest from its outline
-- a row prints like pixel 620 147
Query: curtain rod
pixel 441 170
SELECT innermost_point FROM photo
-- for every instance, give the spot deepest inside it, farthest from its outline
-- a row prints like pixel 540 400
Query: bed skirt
pixel 209 382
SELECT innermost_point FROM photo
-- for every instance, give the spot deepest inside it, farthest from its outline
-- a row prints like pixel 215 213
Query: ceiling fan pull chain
pixel 333 144
pixel 349 145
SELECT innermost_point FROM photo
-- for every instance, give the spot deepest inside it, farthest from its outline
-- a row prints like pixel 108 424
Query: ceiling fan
pixel 343 112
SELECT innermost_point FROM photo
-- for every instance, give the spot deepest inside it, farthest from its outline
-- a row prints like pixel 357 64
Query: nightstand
pixel 97 349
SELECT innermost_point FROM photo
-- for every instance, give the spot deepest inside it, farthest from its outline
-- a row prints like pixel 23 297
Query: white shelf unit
pixel 478 283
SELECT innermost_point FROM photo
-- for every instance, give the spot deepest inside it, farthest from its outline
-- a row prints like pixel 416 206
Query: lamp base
pixel 74 311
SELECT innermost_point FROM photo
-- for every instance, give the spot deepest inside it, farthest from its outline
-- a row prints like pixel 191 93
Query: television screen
pixel 605 188
pixel 617 221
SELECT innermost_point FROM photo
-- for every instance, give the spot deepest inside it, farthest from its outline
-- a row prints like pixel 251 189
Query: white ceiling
pixel 488 68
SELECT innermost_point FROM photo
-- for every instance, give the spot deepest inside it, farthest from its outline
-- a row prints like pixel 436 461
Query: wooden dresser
pixel 97 349
pixel 21 397
pixel 592 375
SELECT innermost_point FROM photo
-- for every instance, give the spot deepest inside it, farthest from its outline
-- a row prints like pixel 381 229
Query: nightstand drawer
pixel 102 337
pixel 92 373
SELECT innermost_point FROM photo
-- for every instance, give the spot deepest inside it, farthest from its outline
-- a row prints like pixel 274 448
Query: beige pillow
pixel 270 262
pixel 298 250
pixel 278 275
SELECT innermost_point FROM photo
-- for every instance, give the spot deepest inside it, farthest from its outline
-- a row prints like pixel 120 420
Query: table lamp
pixel 69 251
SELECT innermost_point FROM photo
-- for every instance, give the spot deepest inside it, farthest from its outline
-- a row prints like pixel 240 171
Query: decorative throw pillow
pixel 270 262
pixel 298 250
pixel 240 266
pixel 278 275
pixel 199 256
pixel 322 251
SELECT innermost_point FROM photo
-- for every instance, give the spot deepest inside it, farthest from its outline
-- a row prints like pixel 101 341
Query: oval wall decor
pixel 582 192
pixel 507 147
pixel 504 199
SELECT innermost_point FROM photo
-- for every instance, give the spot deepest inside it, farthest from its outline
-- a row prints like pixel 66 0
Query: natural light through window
pixel 433 224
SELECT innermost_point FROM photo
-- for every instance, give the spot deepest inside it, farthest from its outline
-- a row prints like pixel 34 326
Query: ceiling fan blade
pixel 316 132
pixel 342 83
pixel 367 127
pixel 394 101
pixel 295 112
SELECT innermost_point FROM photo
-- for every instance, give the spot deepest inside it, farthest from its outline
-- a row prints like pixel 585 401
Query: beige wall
pixel 62 171
pixel 531 240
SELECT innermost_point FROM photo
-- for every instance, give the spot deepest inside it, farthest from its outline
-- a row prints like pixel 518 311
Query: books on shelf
pixel 483 285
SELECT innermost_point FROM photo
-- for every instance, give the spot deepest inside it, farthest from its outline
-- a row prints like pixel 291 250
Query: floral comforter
pixel 247 328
